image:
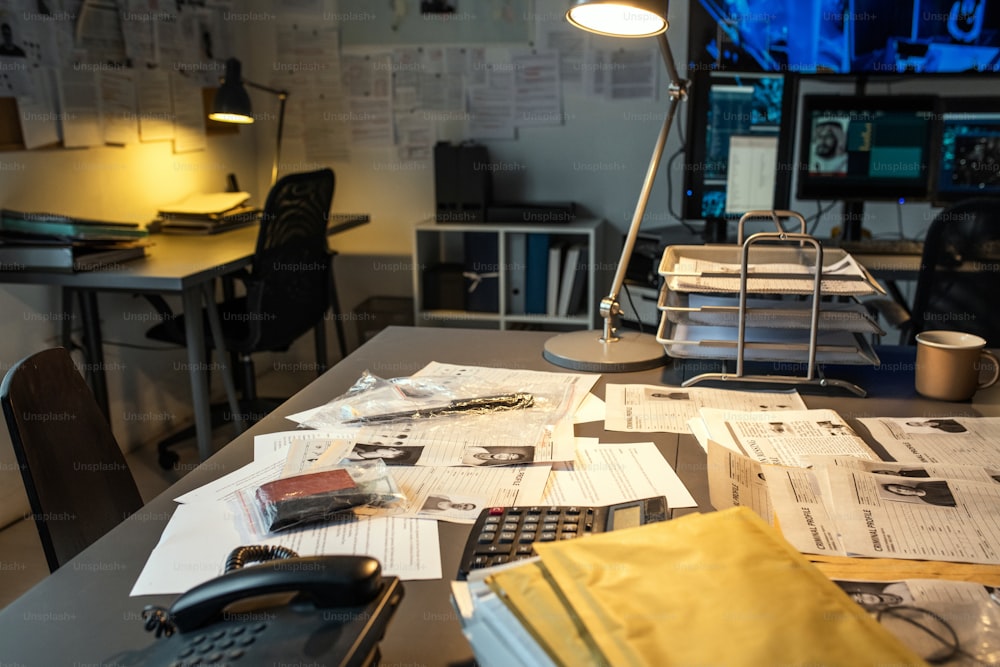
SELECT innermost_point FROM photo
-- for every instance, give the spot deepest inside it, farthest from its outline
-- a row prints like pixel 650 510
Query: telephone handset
pixel 330 608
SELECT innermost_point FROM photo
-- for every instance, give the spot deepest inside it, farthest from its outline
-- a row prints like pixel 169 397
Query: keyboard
pixel 882 247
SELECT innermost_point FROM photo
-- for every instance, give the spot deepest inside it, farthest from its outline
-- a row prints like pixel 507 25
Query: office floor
pixel 22 562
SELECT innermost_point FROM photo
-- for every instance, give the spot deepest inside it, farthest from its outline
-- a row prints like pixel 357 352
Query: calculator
pixel 504 534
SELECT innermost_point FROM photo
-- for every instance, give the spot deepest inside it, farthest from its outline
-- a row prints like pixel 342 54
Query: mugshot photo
pixel 455 507
pixel 497 456
pixel 935 492
pixel 393 455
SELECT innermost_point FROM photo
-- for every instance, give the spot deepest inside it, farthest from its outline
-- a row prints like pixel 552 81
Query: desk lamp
pixel 609 351
pixel 232 104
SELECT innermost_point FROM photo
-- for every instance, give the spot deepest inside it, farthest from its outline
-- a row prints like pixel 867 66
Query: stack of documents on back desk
pixel 208 213
pixel 53 242
pixel 705 589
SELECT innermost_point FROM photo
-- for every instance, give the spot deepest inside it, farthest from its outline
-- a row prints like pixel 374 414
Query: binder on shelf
pixel 482 272
pixel 537 273
pixel 554 276
pixel 573 279
pixel 517 273
pixel 578 296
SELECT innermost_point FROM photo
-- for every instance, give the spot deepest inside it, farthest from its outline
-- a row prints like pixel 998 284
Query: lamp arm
pixel 267 89
pixel 281 126
pixel 282 98
pixel 610 308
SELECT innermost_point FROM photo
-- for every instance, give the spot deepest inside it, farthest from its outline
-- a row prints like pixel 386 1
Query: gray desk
pixel 175 264
pixel 82 613
pixel 891 267
pixel 187 265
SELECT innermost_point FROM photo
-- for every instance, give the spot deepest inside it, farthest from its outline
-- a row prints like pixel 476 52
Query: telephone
pixel 332 610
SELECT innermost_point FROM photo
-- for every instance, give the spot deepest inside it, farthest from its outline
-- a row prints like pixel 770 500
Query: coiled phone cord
pixel 158 619
pixel 256 553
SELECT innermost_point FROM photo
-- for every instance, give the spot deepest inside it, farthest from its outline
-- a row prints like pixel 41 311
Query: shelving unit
pixel 443 251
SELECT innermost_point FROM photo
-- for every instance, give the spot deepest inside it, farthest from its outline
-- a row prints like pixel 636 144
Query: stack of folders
pixel 721 588
pixel 53 242
pixel 208 214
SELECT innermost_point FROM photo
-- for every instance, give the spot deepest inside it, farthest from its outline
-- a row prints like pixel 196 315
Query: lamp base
pixel 585 351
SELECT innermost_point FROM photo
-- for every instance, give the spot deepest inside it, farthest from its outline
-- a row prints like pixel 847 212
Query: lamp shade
pixel 232 102
pixel 620 18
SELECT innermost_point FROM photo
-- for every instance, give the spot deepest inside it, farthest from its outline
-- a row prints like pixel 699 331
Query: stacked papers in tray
pixel 711 310
pixel 700 304
pixel 683 341
pixel 771 270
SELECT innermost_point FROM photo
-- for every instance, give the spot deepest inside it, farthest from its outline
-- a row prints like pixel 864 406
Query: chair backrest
pixel 77 480
pixel 959 280
pixel 289 288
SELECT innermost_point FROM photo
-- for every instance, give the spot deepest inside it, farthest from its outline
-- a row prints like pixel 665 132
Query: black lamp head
pixel 232 103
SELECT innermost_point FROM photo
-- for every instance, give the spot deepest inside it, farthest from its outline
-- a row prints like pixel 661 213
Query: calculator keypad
pixel 508 533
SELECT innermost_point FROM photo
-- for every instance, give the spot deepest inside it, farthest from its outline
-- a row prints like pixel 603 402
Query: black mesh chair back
pixel 288 290
pixel 77 480
pixel 958 287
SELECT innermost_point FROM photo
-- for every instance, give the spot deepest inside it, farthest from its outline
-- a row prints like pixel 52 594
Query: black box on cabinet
pixel 463 182
pixel 444 287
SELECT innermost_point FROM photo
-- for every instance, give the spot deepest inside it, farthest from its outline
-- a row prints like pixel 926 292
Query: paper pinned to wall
pixel 80 107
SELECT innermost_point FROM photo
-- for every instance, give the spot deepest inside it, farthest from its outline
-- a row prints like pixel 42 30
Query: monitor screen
pixel 860 36
pixel 737 144
pixel 865 147
pixel 968 160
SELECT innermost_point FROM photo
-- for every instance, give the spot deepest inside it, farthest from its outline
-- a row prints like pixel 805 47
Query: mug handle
pixel 996 369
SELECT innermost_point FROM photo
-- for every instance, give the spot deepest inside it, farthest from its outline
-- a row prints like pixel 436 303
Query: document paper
pixel 888 516
pixel 657 408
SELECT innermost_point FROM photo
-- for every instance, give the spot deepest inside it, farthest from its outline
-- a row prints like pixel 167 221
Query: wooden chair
pixel 76 477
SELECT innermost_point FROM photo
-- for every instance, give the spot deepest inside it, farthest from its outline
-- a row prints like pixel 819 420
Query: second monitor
pixel 866 147
pixel 968 160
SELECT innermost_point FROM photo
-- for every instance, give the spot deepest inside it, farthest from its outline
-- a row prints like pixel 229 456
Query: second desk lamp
pixel 611 351
pixel 232 104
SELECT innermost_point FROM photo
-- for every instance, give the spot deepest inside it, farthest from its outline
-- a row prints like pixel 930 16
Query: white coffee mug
pixel 952 366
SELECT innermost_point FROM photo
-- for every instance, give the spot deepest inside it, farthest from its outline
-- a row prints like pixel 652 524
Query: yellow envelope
pixel 708 589
pixel 543 612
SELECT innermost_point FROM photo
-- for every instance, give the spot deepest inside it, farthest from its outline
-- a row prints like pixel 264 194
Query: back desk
pixel 82 613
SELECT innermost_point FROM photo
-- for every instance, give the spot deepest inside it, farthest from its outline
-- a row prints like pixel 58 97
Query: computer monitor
pixel 866 147
pixel 968 151
pixel 871 37
pixel 739 151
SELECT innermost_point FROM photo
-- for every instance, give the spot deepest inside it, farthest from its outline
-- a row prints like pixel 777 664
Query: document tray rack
pixel 717 304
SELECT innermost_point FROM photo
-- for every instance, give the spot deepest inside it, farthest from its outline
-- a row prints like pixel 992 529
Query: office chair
pixel 959 277
pixel 286 292
pixel 75 475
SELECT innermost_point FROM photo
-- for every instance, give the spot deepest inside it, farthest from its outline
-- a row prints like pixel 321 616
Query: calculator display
pixel 626 517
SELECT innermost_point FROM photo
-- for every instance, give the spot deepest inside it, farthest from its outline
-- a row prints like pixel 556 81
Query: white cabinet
pixel 512 275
